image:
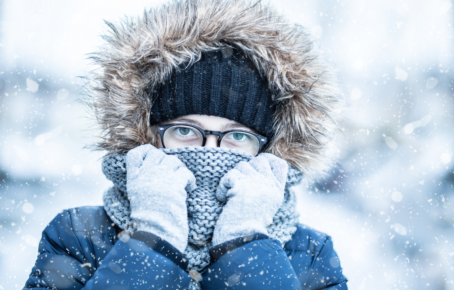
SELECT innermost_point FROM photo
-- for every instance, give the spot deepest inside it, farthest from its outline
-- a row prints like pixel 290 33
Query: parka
pixel 80 249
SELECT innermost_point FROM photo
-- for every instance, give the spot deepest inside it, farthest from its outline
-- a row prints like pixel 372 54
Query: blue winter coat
pixel 79 249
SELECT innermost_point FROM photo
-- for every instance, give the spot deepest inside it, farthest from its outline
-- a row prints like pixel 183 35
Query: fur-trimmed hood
pixel 141 53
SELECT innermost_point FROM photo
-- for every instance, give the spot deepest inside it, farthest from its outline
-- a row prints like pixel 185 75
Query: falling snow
pixel 388 201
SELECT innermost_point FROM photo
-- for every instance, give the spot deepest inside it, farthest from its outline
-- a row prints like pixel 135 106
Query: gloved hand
pixel 157 186
pixel 254 191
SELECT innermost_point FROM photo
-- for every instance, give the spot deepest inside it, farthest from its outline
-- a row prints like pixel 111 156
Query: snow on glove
pixel 157 186
pixel 254 191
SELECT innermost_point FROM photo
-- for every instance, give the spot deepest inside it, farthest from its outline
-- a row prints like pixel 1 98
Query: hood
pixel 140 53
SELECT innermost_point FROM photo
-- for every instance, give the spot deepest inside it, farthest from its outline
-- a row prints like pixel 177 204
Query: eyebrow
pixel 189 121
pixel 231 126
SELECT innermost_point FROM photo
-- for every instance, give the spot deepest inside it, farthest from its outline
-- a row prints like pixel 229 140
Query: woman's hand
pixel 157 186
pixel 254 191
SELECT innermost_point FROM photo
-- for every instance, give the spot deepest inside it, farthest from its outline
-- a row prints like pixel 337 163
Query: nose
pixel 212 141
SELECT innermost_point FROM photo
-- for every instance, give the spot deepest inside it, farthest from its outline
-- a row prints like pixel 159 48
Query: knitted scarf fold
pixel 208 165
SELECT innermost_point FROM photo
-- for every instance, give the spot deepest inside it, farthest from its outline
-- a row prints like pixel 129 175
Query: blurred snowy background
pixel 388 204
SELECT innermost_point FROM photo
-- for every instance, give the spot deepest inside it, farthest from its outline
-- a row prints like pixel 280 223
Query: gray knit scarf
pixel 208 165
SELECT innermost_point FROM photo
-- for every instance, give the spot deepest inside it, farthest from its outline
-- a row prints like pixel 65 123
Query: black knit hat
pixel 224 83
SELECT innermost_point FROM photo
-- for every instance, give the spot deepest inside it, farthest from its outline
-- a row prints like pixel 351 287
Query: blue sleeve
pixel 141 264
pixel 254 262
pixel 319 268
pixel 132 263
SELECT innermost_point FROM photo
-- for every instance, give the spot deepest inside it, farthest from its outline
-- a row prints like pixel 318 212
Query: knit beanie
pixel 223 83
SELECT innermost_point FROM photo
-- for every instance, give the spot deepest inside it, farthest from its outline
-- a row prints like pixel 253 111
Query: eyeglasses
pixel 182 135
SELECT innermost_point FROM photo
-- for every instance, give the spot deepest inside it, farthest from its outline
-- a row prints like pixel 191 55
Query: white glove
pixel 157 186
pixel 254 191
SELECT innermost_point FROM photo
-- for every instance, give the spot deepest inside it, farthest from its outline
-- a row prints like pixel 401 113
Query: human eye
pixel 179 136
pixel 241 141
pixel 184 131
pixel 238 137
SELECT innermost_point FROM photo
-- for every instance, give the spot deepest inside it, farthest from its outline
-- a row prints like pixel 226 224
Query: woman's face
pixel 211 123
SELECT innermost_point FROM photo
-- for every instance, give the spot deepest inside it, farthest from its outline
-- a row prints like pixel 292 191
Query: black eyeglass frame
pixel 163 128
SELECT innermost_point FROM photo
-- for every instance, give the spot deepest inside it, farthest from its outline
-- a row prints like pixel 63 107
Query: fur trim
pixel 141 53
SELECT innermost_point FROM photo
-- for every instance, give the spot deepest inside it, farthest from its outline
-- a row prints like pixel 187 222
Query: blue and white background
pixel 389 202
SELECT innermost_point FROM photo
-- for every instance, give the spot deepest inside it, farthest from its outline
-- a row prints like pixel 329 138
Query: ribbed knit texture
pixel 208 166
pixel 222 83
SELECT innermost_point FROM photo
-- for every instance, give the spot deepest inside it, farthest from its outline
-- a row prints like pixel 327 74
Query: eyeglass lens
pixel 183 136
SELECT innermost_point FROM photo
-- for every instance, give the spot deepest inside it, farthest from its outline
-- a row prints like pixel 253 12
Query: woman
pixel 211 110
